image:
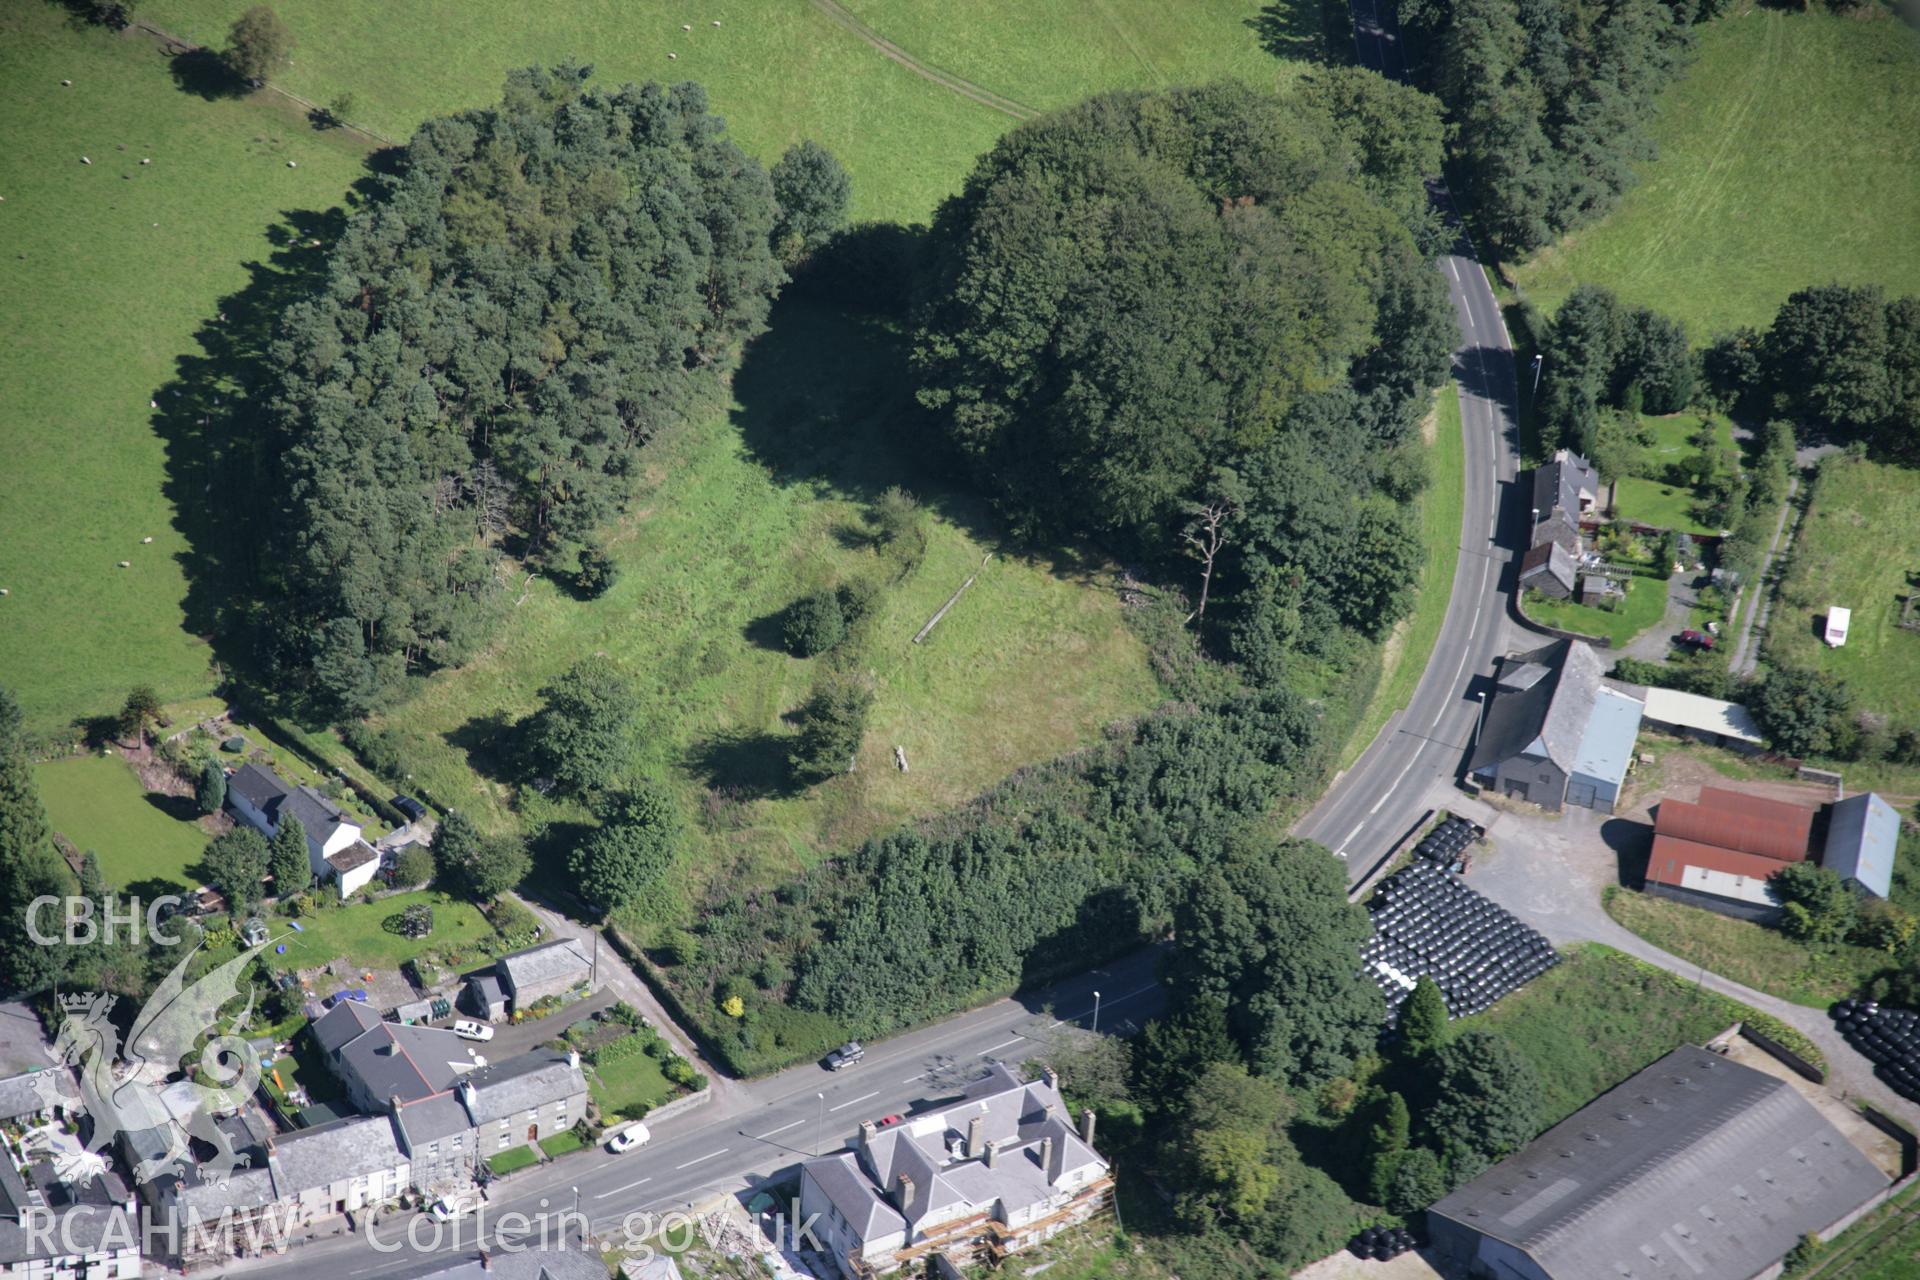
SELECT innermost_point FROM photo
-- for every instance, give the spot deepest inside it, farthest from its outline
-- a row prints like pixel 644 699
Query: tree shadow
pixel 203 73
pixel 747 764
pixel 1295 31
pixel 490 743
pixel 768 631
pixel 154 887
pixel 223 447
pixel 179 808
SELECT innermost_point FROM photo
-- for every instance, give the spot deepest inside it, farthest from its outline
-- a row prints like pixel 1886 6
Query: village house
pixel 335 850
pixel 1555 731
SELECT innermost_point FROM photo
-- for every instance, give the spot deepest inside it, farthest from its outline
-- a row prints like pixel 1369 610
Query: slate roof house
pixel 996 1171
pixel 1697 1168
pixel 335 851
pixel 1566 483
pixel 1565 488
pixel 85 1238
pixel 550 969
pixel 1555 732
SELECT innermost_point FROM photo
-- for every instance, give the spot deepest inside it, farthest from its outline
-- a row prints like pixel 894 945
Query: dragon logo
pixel 132 1095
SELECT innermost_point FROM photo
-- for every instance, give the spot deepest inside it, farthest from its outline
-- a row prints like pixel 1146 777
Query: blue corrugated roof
pixel 1862 837
pixel 1606 748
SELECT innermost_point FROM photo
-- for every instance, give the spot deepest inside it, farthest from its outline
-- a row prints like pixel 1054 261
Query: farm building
pixel 1697 1168
pixel 1555 732
pixel 1719 852
pixel 550 969
pixel 1863 833
pixel 1723 724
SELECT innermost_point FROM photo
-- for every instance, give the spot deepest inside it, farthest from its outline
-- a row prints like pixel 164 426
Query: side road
pixel 1551 872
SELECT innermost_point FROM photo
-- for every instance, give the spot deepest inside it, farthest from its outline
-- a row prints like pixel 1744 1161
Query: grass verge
pixel 513 1159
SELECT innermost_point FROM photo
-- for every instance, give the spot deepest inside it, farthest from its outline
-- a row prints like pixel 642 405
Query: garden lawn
pixel 513 1159
pixel 1648 498
pixel 1599 1016
pixel 1857 546
pixel 1442 509
pixel 740 516
pixel 778 72
pixel 561 1144
pixel 630 1086
pixel 109 269
pixel 1788 156
pixel 357 931
pixel 1645 605
pixel 98 803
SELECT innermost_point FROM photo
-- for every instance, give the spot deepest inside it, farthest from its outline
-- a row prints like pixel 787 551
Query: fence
pixel 1774 1049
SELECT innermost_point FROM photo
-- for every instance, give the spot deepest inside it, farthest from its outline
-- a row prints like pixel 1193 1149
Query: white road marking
pixel 1453 271
pixel 912 1079
pixel 782 1129
pixel 1003 1044
pixel 850 1101
pixel 1342 850
pixel 630 1186
pixel 710 1155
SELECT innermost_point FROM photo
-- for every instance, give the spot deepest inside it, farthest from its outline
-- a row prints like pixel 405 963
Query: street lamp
pixel 576 1214
pixel 1096 1013
pixel 821 1123
pixel 1533 530
pixel 1480 719
pixel 1538 360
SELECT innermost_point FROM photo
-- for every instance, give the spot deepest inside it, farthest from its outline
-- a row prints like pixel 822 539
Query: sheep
pixel 292 165
pixel 126 564
pixel 86 159
pixel 674 56
pixel 144 541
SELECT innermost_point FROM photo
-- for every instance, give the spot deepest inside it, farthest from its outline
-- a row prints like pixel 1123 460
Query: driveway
pixel 1550 872
pixel 1655 644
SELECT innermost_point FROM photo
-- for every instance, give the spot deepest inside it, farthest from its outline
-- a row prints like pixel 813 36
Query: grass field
pixel 742 514
pixel 1645 605
pixel 98 803
pixel 1858 545
pixel 630 1086
pixel 1599 1016
pixel 108 271
pixel 1789 155
pixel 357 930
pixel 1441 508
pixel 778 72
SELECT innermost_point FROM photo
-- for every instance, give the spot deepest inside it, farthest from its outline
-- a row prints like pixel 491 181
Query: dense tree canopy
pixel 1487 1101
pixel 235 863
pixel 1600 354
pixel 811 192
pixel 1550 100
pixel 28 866
pixel 287 860
pixel 1270 936
pixel 582 736
pixel 545 285
pixel 632 850
pixel 1134 291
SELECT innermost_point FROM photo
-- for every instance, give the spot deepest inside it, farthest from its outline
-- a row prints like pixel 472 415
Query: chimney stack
pixel 906 1195
pixel 1051 1076
pixel 973 1137
pixel 1086 1126
pixel 573 1058
pixel 1046 1155
pixel 393 1103
pixel 993 1153
pixel 868 1132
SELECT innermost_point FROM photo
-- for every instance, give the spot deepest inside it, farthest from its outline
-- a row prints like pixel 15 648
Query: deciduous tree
pixel 812 193
pixel 633 849
pixel 582 737
pixel 257 45
pixel 235 863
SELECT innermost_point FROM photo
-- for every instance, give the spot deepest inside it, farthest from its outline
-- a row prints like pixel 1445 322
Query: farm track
pixel 945 79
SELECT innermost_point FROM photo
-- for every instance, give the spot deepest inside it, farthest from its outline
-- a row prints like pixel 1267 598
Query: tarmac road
pixel 1374 803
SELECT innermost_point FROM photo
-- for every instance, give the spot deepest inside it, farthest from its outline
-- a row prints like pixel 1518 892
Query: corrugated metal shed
pixel 1863 836
pixel 1703 715
pixel 1780 811
pixel 1672 856
pixel 1606 748
pixel 1729 829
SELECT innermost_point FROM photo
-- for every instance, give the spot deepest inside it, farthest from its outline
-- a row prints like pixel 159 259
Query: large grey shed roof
pixel 1606 748
pixel 1863 835
pixel 563 957
pixel 1697 1168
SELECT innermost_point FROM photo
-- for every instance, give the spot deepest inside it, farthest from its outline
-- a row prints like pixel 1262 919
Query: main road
pixel 1374 803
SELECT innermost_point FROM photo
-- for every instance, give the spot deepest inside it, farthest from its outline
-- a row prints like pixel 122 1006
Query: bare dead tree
pixel 490 496
pixel 1205 534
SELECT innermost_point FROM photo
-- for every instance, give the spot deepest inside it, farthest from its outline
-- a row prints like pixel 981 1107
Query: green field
pixel 98 803
pixel 1441 508
pixel 1789 155
pixel 1857 547
pixel 1645 606
pixel 742 514
pixel 109 270
pixel 1599 1016
pixel 777 72
pixel 1883 1245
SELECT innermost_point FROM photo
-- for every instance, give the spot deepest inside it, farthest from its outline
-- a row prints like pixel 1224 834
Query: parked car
pixel 634 1135
pixel 451 1208
pixel 886 1122
pixel 845 1056
pixel 351 993
pixel 409 806
pixel 467 1029
pixel 1695 639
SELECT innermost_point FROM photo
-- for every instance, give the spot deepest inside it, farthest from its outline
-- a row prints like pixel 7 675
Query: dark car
pixel 1695 639
pixel 411 807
